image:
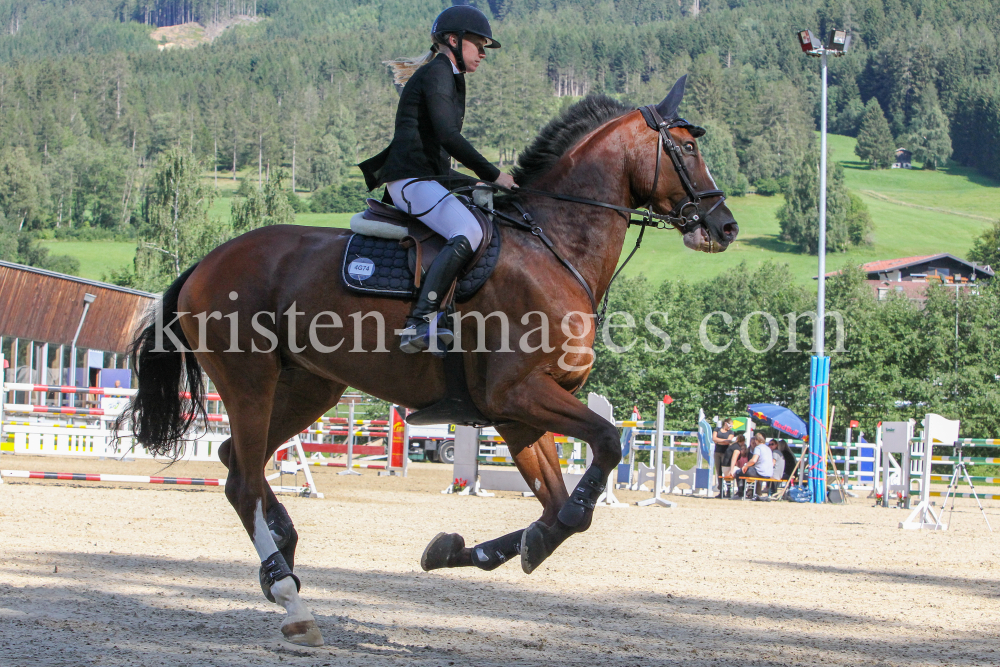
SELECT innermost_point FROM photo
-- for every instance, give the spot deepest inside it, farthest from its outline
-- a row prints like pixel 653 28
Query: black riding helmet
pixel 459 20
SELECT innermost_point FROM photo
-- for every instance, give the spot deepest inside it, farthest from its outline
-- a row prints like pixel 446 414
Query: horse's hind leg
pixel 250 411
pixel 300 398
pixel 538 462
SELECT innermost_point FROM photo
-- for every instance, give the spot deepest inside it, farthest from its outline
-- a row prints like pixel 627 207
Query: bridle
pixel 686 215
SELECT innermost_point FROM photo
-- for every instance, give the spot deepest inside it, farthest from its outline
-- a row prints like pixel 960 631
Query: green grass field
pixel 966 201
pixel 916 212
pixel 97 258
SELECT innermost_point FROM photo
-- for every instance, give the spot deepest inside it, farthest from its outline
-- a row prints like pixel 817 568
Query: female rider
pixel 427 134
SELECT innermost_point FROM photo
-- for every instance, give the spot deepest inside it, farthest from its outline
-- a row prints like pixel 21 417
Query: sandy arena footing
pixel 120 574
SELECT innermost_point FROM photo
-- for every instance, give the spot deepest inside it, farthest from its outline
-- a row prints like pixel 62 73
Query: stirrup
pixel 417 338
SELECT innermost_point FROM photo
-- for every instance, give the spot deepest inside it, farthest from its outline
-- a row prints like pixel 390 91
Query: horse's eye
pixel 689 148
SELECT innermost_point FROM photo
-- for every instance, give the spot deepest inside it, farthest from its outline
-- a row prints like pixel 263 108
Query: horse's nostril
pixel 730 230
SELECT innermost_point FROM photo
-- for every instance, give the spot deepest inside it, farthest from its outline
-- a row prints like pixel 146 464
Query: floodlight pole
pixel 819 365
pixel 821 298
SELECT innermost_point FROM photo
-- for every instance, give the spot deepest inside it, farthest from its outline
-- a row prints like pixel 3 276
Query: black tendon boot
pixel 579 508
pixel 284 533
pixel 416 336
pixel 540 540
pixel 285 538
pixel 491 555
pixel 274 568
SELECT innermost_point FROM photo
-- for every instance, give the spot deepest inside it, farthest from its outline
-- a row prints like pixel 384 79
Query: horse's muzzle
pixel 712 237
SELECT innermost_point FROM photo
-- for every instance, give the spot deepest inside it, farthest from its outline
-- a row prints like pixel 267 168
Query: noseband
pixel 686 214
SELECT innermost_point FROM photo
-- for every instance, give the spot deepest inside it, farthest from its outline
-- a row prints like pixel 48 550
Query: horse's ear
pixel 668 107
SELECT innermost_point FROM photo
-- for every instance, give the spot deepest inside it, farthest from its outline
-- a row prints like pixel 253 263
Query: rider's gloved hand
pixel 506 181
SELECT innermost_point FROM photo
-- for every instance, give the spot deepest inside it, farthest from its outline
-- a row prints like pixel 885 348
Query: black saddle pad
pixel 379 267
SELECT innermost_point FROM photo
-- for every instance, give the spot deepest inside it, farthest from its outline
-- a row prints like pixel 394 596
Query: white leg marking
pixel 262 540
pixel 285 593
pixel 538 484
pixel 287 596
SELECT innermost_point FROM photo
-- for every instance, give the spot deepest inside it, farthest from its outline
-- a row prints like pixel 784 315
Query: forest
pixel 101 130
pixel 88 103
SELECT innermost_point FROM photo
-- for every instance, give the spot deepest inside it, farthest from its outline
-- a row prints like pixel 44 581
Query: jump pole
pixel 350 442
pixel 101 477
pixel 657 498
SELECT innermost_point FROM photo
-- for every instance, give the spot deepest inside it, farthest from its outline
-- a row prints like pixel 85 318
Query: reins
pixel 685 216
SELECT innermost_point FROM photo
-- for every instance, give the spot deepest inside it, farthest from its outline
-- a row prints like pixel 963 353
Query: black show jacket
pixel 428 130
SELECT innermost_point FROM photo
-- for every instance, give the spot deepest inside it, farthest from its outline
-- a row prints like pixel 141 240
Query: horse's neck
pixel 590 237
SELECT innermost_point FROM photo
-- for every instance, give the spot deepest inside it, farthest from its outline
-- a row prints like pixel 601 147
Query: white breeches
pixel 449 218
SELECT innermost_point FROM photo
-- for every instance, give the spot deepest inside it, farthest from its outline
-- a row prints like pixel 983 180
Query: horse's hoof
pixel 533 548
pixel 303 633
pixel 442 551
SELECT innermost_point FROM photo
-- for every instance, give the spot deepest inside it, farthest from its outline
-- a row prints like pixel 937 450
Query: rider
pixel 428 130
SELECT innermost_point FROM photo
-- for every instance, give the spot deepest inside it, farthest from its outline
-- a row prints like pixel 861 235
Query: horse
pixel 276 376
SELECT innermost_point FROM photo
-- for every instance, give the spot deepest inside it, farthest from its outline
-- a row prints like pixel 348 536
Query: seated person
pixel 784 461
pixel 779 461
pixel 761 464
pixel 735 456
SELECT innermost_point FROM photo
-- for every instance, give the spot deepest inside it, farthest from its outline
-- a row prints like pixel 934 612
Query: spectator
pixel 723 437
pixel 734 456
pixel 784 460
pixel 761 464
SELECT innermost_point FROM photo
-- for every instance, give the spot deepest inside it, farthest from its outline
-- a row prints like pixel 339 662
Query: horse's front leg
pixel 538 462
pixel 540 405
pixel 539 402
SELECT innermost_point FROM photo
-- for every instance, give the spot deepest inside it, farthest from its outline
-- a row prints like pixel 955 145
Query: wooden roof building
pixel 46 307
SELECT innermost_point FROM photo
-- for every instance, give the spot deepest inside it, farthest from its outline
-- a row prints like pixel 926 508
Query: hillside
pixel 916 212
pixel 89 106
pixel 897 199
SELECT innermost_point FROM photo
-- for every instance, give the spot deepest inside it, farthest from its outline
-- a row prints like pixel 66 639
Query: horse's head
pixel 678 178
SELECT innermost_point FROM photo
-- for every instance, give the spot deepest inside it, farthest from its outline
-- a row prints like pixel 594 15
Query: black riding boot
pixel 416 336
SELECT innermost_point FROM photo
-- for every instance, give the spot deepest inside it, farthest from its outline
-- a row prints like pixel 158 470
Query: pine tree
pixel 799 216
pixel 706 87
pixel 929 132
pixel 875 142
pixel 986 247
pixel 24 190
pixel 716 148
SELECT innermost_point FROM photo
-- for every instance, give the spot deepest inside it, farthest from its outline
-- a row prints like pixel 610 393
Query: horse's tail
pixel 159 415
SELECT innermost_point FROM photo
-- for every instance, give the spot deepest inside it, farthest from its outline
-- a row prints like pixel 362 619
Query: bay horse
pixel 276 378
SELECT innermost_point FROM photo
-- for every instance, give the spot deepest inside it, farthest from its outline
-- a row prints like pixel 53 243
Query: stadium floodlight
pixel 809 43
pixel 839 42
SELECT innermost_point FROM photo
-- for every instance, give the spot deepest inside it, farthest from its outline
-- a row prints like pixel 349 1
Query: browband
pixel 695 130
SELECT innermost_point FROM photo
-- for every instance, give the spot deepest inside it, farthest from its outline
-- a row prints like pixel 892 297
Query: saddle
pixel 391 250
pixel 388 255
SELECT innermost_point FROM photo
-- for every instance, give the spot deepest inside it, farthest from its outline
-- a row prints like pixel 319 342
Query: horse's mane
pixel 562 133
